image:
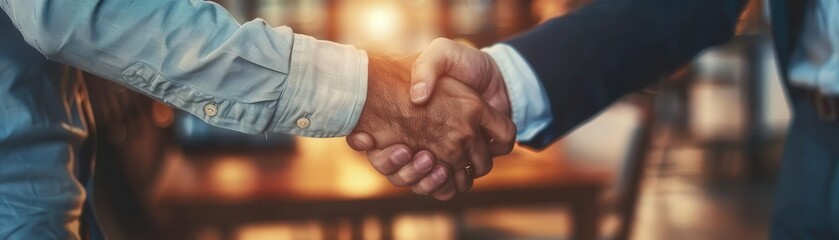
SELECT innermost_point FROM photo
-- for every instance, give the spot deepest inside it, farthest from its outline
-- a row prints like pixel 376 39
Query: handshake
pixel 435 144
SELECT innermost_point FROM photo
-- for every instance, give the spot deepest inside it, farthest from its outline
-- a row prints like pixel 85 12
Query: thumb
pixel 429 66
pixel 361 141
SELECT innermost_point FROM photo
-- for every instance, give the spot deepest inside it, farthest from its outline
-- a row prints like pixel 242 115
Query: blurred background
pixel 692 157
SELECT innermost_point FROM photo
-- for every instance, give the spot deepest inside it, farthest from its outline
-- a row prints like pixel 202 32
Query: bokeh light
pixel 234 177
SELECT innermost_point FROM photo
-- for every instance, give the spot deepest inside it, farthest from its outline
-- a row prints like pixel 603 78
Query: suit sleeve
pixel 590 58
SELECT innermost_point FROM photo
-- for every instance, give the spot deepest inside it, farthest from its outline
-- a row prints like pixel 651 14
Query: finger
pixel 500 130
pixel 429 66
pixel 463 180
pixel 390 159
pixel 458 157
pixel 361 141
pixel 478 155
pixel 431 181
pixel 445 191
pixel 409 174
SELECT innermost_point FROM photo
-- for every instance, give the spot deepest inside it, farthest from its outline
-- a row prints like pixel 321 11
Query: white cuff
pixel 528 100
pixel 325 91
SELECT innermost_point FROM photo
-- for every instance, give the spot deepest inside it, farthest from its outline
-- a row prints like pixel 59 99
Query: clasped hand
pixel 436 145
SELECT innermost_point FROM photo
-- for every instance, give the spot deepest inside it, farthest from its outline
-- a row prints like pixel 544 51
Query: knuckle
pixel 381 169
pixel 510 133
pixel 449 43
pixel 425 186
pixel 508 141
pixel 470 132
pixel 474 108
pixel 452 155
pixel 440 41
pixel 420 65
pixel 484 170
pixel 444 195
pixel 459 159
pixel 448 151
pixel 508 146
pixel 511 137
pixel 385 168
pixel 396 181
pixel 473 104
pixel 512 130
pixel 418 190
pixel 382 165
pixel 465 135
pixel 373 156
pixel 508 149
pixel 408 176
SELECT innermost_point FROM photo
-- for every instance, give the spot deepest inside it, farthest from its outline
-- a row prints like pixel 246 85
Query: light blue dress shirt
pixel 815 63
pixel 531 108
pixel 40 131
pixel 189 54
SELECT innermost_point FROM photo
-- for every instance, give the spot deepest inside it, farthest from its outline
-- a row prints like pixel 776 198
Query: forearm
pixel 588 59
pixel 192 54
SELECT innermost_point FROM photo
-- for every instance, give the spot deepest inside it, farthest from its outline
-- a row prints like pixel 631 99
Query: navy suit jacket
pixel 588 59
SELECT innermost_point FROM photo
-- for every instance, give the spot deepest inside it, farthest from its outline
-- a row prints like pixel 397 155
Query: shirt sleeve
pixel 528 99
pixel 193 55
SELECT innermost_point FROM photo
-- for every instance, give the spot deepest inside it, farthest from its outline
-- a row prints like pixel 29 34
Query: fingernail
pixel 423 163
pixel 419 91
pixel 362 142
pixel 399 157
pixel 439 174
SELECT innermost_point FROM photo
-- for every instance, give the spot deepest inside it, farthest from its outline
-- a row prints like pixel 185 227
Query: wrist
pixel 529 103
pixel 386 88
pixel 496 93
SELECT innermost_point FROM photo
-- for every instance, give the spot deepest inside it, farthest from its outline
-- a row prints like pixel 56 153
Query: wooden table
pixel 324 179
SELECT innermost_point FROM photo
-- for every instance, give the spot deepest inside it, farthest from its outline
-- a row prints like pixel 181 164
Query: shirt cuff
pixel 325 89
pixel 528 99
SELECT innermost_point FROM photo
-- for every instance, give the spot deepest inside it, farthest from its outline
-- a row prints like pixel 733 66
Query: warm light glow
pixel 426 226
pixel 371 228
pixel 306 230
pixel 234 177
pixel 162 115
pixel 382 21
pixel 349 176
pixel 358 180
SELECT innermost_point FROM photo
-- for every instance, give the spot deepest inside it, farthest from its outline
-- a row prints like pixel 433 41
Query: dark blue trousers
pixel 807 200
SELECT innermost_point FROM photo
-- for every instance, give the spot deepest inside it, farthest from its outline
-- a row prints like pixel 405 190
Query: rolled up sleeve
pixel 194 56
pixel 326 89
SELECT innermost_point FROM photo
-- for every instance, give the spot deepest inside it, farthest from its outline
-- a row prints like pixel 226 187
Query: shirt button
pixel 303 122
pixel 210 110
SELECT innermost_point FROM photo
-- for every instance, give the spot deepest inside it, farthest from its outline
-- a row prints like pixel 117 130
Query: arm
pixel 584 61
pixel 588 59
pixel 193 55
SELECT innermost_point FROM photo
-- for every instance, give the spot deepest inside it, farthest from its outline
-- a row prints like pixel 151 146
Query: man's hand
pixel 475 69
pixel 443 58
pixel 456 126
